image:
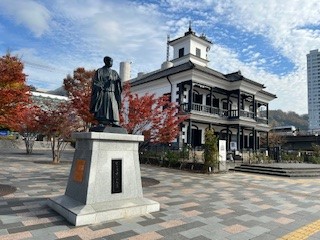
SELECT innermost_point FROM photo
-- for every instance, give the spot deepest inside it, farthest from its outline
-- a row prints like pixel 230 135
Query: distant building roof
pixel 48 95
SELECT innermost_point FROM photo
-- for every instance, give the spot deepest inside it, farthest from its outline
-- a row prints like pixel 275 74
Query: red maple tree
pixel 158 119
pixel 28 126
pixel 78 87
pixel 13 91
pixel 57 122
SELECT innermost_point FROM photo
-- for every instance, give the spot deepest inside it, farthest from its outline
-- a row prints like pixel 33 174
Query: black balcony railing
pixel 230 114
pixel 247 114
pixel 262 120
pixel 208 109
pixel 233 114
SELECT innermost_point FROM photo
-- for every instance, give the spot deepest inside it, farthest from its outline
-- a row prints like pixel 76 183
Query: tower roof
pixel 192 33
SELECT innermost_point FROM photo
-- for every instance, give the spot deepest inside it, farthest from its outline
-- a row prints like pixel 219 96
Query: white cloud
pixel 40 71
pixel 29 13
pixel 285 23
pixel 289 26
pixel 123 30
pixel 290 89
pixel 82 32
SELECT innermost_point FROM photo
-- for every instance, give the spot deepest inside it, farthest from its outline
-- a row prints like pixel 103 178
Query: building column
pixel 267 115
pixel 180 87
pixel 254 106
pixel 179 98
pixel 190 96
pixel 228 141
pixel 189 132
pixel 243 138
pixel 239 99
pixel 254 134
pixel 211 94
pixel 238 138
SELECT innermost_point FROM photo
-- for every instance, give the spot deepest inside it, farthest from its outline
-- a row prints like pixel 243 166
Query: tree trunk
pixel 56 159
pixel 29 142
pixel 54 150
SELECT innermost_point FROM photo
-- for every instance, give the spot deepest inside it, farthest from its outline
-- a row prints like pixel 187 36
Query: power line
pixel 43 67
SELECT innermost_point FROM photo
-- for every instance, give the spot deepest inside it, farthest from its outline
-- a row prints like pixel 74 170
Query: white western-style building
pixel 233 105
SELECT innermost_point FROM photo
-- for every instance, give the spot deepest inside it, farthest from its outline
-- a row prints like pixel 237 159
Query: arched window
pixel 197 97
pixel 212 102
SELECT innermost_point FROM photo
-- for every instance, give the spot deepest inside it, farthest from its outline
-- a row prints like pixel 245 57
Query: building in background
pixel 233 105
pixel 42 98
pixel 313 75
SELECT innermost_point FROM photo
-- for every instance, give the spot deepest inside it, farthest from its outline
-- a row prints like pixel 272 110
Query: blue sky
pixel 267 39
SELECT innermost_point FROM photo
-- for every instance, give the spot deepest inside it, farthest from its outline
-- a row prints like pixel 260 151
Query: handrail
pixel 208 109
pixel 247 114
pixel 234 113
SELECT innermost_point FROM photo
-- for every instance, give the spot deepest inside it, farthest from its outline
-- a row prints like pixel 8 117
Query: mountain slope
pixel 280 118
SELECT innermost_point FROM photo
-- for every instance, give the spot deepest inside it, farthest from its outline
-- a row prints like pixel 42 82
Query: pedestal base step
pixel 79 214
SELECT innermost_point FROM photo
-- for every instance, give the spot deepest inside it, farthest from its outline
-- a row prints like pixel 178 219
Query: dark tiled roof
pixel 211 72
pixel 237 76
pixel 231 77
pixel 269 94
pixel 162 73
pixel 190 32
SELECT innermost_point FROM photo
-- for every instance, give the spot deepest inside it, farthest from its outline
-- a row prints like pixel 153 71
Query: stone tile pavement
pixel 193 206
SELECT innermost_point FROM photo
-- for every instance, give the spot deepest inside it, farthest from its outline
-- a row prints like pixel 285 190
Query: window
pixel 225 105
pixel 168 95
pixel 208 100
pixel 196 137
pixel 215 102
pixel 197 98
pixel 198 52
pixel 181 52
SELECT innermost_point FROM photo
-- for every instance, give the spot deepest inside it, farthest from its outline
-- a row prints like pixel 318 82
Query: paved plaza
pixel 193 206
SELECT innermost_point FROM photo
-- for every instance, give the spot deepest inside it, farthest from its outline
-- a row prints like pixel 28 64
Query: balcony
pixel 223 113
pixel 207 109
pixel 262 120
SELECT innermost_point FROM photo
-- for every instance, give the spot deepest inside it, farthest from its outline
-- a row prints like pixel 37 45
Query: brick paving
pixel 193 206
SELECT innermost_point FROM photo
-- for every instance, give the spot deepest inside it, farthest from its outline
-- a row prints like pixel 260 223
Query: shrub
pixel 211 150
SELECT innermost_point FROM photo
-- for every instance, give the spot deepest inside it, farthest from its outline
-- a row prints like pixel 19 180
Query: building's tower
pixel 313 75
pixel 125 71
pixel 190 47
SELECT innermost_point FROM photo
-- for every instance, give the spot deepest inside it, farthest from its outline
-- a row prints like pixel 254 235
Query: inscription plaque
pixel 116 176
pixel 79 170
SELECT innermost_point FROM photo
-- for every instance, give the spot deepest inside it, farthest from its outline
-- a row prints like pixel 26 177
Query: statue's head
pixel 108 61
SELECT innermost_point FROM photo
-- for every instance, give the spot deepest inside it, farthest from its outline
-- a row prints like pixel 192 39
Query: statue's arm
pixel 96 82
pixel 118 90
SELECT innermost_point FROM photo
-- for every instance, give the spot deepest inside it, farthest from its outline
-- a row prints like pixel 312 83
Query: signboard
pixel 233 146
pixel 222 150
pixel 78 172
pixel 116 176
pixel 4 133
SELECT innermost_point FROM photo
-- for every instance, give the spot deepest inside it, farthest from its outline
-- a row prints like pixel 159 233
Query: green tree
pixel 316 154
pixel 211 151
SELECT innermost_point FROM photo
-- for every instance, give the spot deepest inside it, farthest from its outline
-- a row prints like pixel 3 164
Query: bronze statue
pixel 106 95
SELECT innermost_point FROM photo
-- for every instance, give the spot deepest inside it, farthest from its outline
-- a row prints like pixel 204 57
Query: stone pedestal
pixel 105 181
